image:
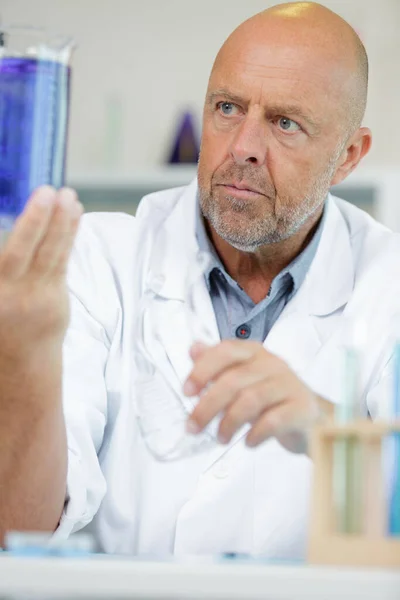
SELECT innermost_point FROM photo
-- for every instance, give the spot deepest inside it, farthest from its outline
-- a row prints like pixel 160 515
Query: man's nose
pixel 250 143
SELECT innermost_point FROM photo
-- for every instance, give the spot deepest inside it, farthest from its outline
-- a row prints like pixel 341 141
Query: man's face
pixel 272 135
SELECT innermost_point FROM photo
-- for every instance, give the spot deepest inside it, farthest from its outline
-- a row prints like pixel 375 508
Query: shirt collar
pixel 205 245
pixel 300 265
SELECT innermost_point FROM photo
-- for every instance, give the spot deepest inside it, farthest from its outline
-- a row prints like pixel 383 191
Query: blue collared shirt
pixel 236 313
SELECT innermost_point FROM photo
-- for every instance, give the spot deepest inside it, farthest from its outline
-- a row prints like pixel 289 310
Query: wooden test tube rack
pixel 326 546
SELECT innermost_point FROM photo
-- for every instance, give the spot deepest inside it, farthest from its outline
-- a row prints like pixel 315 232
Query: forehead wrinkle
pixel 279 60
pixel 233 87
pixel 268 68
pixel 308 93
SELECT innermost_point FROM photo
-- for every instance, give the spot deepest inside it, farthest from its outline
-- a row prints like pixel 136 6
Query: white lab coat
pixel 228 498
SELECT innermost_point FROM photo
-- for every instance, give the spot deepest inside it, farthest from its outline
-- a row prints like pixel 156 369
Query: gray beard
pixel 271 230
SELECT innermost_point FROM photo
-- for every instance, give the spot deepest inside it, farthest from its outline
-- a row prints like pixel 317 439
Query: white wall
pixel 141 61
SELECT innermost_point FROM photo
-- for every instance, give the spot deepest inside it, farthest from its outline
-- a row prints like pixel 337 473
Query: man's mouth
pixel 241 190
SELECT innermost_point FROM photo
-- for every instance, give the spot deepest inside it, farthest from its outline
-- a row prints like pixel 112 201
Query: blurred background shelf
pixel 121 192
pixel 162 177
pixel 374 190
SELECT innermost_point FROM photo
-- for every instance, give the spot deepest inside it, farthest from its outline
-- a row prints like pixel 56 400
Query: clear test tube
pixel 347 482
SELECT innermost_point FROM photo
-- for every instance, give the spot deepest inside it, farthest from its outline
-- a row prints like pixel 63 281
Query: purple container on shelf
pixel 34 107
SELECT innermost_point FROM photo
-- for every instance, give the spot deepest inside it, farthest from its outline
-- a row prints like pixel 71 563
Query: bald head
pixel 324 33
pixel 281 124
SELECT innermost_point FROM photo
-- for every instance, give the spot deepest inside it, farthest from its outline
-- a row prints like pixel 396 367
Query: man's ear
pixel 356 148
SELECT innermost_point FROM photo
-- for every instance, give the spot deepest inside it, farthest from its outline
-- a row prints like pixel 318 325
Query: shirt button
pixel 243 331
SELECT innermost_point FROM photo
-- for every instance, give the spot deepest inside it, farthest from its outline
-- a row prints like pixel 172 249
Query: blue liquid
pixel 34 104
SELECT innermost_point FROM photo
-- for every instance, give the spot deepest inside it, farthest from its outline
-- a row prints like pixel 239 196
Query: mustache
pixel 251 176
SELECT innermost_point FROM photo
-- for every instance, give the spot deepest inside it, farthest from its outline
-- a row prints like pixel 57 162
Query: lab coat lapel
pixel 174 267
pixel 176 336
pixel 307 321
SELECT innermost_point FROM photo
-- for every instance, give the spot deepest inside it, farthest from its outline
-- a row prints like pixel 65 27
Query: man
pixel 290 267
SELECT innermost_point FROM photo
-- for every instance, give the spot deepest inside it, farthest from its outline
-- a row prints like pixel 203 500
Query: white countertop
pixel 193 579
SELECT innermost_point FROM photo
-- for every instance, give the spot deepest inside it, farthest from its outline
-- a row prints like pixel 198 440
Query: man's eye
pixel 227 108
pixel 288 125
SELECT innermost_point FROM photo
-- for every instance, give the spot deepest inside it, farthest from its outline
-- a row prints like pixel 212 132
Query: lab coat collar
pixel 177 245
pixel 330 280
pixel 327 286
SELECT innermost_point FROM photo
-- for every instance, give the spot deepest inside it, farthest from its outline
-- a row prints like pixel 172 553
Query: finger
pixel 29 230
pixel 197 350
pixel 224 392
pixel 277 420
pixel 61 230
pixel 213 361
pixel 62 265
pixel 249 405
